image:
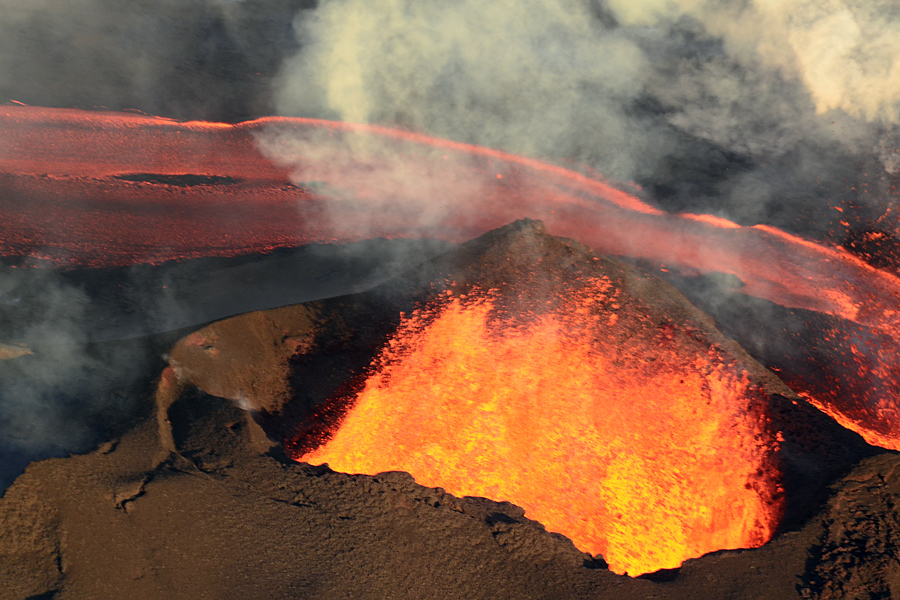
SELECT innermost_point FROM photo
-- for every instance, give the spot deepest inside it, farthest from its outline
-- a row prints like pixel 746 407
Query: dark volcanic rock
pixel 857 555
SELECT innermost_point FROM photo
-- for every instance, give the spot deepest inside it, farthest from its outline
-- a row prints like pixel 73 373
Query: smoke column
pixel 755 111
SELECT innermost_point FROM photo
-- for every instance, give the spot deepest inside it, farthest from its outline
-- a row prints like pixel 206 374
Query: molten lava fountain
pixel 608 415
pixel 630 464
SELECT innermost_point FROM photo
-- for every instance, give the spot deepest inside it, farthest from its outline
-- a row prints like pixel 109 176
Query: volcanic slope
pixel 568 378
pixel 216 518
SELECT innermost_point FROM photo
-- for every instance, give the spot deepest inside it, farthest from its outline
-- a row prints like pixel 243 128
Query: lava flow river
pixel 101 189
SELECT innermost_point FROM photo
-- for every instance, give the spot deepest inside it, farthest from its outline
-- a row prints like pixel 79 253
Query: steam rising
pixel 59 394
pixel 425 188
pixel 643 91
pixel 535 76
pixel 846 53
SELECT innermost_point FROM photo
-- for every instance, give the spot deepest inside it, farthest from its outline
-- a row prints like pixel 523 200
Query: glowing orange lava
pixel 648 462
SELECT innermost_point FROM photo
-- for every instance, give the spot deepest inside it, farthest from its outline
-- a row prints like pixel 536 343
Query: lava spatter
pixel 634 449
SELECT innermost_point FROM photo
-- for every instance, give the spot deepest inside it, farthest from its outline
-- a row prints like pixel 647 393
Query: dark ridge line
pixel 181 179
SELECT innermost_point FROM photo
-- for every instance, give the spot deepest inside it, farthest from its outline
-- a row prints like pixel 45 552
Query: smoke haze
pixel 846 53
pixel 536 76
pixel 739 108
pixel 63 391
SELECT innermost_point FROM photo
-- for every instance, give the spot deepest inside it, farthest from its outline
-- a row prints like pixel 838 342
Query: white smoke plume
pixel 653 90
pixel 536 76
pixel 846 52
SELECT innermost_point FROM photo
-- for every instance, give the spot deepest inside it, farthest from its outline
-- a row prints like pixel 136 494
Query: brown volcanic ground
pixel 217 519
pixel 232 524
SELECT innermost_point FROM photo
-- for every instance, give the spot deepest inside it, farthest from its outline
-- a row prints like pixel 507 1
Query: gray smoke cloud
pixel 845 52
pixel 645 91
pixel 536 76
pixel 57 389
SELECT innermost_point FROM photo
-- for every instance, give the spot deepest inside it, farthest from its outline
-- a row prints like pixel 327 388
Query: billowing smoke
pixel 535 76
pixel 58 393
pixel 746 109
pixel 845 52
